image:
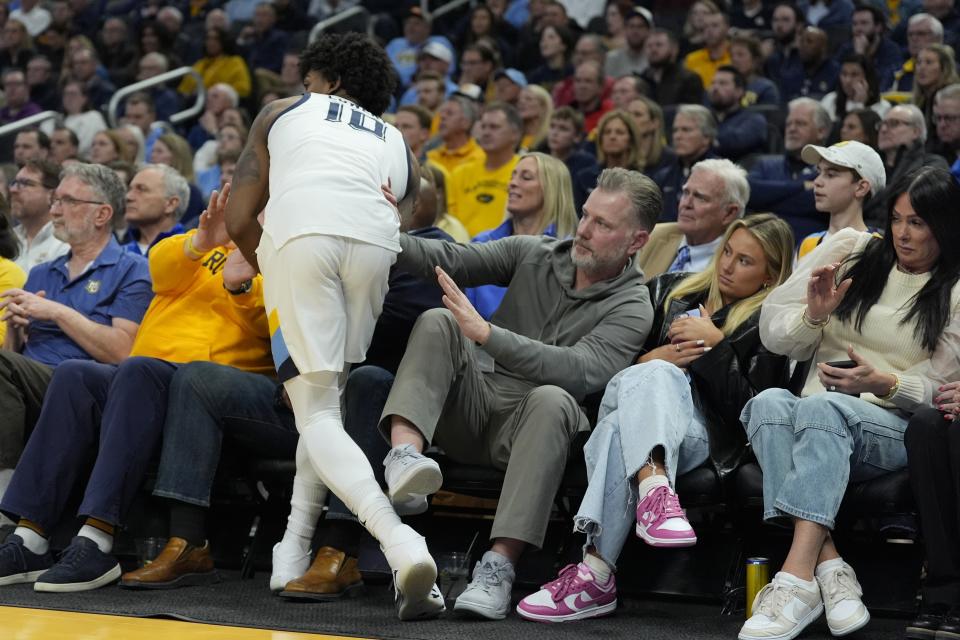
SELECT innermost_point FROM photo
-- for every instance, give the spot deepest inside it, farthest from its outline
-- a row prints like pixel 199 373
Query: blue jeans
pixel 644 407
pixel 208 401
pixel 811 448
pixel 363 401
pixel 101 414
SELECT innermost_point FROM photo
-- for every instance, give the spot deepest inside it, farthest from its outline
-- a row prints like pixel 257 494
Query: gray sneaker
pixel 410 474
pixel 488 594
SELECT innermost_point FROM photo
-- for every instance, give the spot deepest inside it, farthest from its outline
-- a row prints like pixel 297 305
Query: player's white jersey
pixel 328 160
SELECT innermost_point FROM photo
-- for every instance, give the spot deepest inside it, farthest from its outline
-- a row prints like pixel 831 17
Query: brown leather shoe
pixel 179 565
pixel 332 575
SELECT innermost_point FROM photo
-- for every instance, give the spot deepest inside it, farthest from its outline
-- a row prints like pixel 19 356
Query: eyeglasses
pixel 22 183
pixel 68 201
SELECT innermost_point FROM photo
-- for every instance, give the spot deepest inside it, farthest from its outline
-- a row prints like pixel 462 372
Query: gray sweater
pixel 545 331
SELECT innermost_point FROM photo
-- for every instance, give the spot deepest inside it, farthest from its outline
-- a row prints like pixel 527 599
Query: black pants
pixel 933 453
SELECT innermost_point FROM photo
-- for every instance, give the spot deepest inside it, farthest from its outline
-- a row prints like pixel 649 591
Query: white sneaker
pixel 410 474
pixel 412 507
pixel 288 564
pixel 841 597
pixel 414 571
pixel 488 594
pixel 782 609
pixel 423 609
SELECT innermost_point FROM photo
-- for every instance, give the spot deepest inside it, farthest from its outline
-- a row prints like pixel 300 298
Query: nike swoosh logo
pixel 578 602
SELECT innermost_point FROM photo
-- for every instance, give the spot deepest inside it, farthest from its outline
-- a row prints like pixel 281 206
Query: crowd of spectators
pixel 659 202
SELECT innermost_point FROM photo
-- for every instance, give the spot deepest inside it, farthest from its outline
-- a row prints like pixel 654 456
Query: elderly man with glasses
pixel 903 134
pixel 84 305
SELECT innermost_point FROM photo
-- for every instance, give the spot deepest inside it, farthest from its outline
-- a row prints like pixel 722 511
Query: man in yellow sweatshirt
pixel 207 305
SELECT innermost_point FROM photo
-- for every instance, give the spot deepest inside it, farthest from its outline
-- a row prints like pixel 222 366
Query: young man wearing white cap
pixel 850 172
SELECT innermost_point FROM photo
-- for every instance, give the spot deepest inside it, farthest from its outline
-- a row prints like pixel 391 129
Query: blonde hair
pixel 546 105
pixel 948 75
pixel 776 240
pixel 182 154
pixel 658 136
pixel 557 190
pixel 634 161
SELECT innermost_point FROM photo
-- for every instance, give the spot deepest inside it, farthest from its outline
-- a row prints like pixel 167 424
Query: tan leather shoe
pixel 332 575
pixel 179 564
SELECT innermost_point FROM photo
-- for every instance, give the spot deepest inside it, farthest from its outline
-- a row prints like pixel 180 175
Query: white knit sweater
pixel 885 343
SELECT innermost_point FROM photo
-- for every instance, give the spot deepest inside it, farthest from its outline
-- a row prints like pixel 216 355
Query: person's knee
pixel 434 323
pixel 770 410
pixel 550 409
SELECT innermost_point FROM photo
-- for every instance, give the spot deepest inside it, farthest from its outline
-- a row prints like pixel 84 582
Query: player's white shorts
pixel 323 295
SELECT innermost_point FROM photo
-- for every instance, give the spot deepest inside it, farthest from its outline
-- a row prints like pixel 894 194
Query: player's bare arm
pixel 251 186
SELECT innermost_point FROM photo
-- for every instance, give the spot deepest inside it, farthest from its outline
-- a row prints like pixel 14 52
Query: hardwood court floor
pixel 41 624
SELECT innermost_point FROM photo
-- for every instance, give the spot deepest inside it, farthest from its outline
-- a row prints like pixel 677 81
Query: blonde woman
pixel 536 107
pixel 675 410
pixel 175 151
pixel 648 116
pixel 539 203
pixel 618 145
pixel 935 68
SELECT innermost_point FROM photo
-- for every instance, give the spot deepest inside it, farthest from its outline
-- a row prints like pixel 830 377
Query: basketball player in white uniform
pixel 316 164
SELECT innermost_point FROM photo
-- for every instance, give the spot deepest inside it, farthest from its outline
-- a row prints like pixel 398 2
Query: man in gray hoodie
pixel 506 393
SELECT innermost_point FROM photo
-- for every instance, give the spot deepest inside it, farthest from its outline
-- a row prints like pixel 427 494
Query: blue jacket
pixel 777 186
pixel 785 70
pixel 741 133
pixel 487 298
pixel 816 85
pixel 407 297
pixel 839 13
pixel 670 179
pixel 761 91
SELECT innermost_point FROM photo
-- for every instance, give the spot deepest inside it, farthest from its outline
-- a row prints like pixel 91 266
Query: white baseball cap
pixel 852 155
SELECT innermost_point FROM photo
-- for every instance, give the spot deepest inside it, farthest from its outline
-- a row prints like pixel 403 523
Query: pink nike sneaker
pixel 574 595
pixel 661 522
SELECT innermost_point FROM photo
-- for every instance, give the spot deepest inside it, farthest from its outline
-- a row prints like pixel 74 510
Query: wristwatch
pixel 244 287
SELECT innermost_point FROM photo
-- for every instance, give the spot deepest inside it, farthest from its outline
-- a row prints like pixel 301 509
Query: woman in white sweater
pixel 887 306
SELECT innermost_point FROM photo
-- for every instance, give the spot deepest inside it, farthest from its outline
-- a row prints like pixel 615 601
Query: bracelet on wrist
pixel 814 324
pixel 191 250
pixel 893 390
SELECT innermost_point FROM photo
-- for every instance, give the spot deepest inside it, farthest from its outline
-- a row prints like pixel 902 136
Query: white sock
pixel 600 569
pixel 103 539
pixel 32 540
pixel 650 482
pixel 809 585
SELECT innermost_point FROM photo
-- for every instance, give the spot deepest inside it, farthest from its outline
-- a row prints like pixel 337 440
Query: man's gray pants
pixel 487 418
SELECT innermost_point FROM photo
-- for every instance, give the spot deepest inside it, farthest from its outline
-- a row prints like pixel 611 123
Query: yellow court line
pixel 43 624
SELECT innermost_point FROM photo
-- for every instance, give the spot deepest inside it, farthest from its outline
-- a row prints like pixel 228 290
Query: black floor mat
pixel 248 603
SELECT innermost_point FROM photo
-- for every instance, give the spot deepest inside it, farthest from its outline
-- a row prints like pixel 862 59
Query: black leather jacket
pixel 724 378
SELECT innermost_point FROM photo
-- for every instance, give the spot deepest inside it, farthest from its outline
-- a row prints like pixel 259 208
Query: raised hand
pixel 471 323
pixel 823 295
pixel 212 228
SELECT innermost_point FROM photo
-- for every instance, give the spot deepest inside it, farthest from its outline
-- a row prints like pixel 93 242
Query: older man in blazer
pixel 715 194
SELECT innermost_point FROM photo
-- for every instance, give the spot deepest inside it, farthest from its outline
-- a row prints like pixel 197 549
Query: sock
pixel 809 585
pixel 33 538
pixel 188 521
pixel 827 565
pixel 600 569
pixel 650 482
pixel 373 509
pixel 94 532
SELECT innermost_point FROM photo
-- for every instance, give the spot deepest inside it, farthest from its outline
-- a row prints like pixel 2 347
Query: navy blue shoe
pixel 18 564
pixel 81 567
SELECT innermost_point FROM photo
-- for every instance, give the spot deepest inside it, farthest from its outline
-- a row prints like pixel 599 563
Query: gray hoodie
pixel 545 331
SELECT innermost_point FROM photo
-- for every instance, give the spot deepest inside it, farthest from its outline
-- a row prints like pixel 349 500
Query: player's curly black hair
pixel 361 65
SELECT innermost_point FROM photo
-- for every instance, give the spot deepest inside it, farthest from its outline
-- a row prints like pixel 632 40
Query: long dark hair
pixel 9 245
pixel 934 195
pixel 873 87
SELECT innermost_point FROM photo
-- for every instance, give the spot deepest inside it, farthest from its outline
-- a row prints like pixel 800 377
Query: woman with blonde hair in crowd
pixel 134 143
pixel 676 409
pixel 536 107
pixel 618 145
pixel 107 147
pixel 935 68
pixel 539 203
pixel 648 116
pixel 175 151
pixel 437 177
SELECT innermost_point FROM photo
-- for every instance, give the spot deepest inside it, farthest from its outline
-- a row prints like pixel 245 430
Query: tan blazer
pixel 661 249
